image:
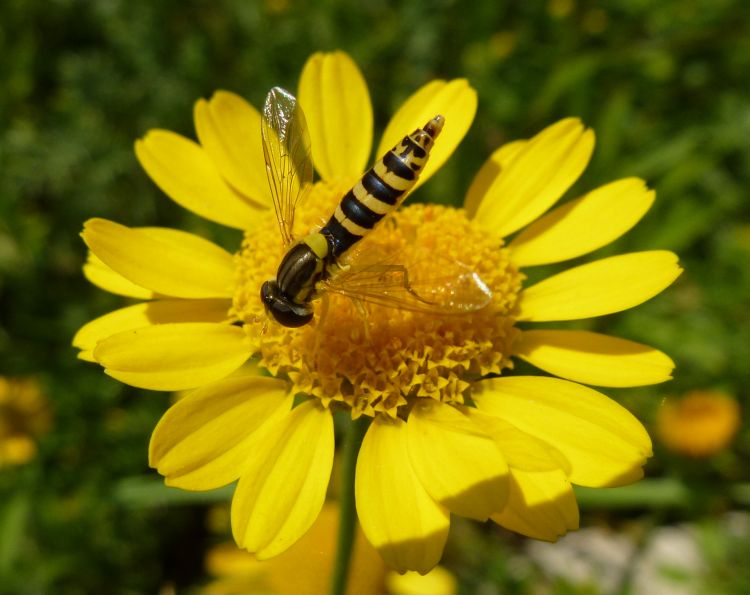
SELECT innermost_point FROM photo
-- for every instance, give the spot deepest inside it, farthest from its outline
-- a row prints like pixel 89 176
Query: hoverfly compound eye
pixel 268 292
pixel 284 311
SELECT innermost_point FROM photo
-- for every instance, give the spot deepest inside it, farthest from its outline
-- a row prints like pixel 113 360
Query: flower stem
pixel 355 431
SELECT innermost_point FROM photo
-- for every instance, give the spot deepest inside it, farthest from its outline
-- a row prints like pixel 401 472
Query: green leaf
pixel 647 493
pixel 13 520
pixel 149 492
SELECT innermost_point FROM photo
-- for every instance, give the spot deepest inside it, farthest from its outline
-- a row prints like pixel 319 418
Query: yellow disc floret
pixel 371 357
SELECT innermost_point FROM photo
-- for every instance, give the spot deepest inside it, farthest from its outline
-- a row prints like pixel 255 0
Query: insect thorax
pixel 302 267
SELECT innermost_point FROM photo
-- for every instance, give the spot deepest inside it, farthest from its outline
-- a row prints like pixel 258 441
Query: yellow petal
pixel 538 176
pixel 228 128
pixel 146 314
pixel 311 558
pixel 105 278
pixel 439 581
pixel 167 261
pixel 303 569
pixel 583 225
pixel 486 175
pixel 185 173
pixel 456 462
pixel 334 97
pixel 396 513
pixel 206 439
pixel 175 356
pixel 283 487
pixel 593 358
pixel 541 505
pixel 600 287
pixel 455 100
pixel 604 443
pixel 520 450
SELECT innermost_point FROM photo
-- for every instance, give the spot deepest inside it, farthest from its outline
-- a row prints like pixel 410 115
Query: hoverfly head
pixel 285 311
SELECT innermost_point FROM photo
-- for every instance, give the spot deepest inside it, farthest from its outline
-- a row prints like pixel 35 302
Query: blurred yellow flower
pixel 699 424
pixel 305 568
pixel 24 416
pixel 441 439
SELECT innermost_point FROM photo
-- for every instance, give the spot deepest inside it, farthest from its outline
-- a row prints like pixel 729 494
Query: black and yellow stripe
pixel 381 189
pixel 302 267
pixel 379 192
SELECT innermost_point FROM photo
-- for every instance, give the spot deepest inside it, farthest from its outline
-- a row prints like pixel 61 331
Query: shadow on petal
pixel 420 555
pixel 480 500
pixel 541 505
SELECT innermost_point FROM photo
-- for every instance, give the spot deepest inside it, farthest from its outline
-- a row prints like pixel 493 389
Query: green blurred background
pixel 666 86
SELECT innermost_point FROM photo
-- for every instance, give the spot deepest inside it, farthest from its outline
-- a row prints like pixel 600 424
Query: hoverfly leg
pixel 405 281
pixel 362 311
pixel 255 320
pixel 399 274
pixel 325 303
pixel 261 320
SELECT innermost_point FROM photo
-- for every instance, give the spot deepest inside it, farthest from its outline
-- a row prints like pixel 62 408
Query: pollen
pixel 379 358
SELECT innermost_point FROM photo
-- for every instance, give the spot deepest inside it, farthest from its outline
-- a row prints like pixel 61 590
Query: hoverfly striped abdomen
pixel 312 265
pixel 381 188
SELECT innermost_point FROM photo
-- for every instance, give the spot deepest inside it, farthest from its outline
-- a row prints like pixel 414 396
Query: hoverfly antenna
pixel 434 126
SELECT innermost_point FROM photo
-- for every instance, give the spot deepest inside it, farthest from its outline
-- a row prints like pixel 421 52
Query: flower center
pixel 377 358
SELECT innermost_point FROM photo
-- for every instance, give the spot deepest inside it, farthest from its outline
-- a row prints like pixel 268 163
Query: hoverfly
pixel 317 263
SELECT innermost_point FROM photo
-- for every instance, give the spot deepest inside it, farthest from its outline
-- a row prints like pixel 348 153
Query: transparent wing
pixel 439 285
pixel 286 148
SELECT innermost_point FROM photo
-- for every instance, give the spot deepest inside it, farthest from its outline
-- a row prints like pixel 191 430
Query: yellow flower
pixel 305 568
pixel 699 424
pixel 442 439
pixel 24 416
